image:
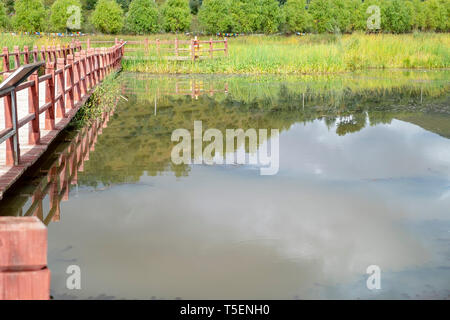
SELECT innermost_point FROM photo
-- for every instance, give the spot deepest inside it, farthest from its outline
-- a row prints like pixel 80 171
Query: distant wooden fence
pixel 176 49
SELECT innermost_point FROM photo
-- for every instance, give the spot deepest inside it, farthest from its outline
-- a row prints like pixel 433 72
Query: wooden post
pixel 69 104
pixel 26 55
pixel 146 44
pixel 83 73
pixel 10 155
pixel 35 54
pixel 23 259
pixel 60 88
pixel 176 47
pixel 226 47
pixel 77 77
pixel 88 43
pixel 16 57
pixel 97 65
pixel 50 96
pixel 192 50
pixel 43 54
pixel 211 48
pixel 34 133
pixel 5 59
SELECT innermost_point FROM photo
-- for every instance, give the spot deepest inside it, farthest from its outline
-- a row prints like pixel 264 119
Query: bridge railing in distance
pixel 69 79
pixel 175 49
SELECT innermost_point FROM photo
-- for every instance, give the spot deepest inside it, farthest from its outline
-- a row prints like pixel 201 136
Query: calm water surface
pixel 364 179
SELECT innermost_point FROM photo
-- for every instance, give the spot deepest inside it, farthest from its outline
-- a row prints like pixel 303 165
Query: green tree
pixel 107 16
pixel 125 4
pixel 3 17
pixel 214 16
pixel 244 15
pixel 195 6
pixel 142 17
pixel 9 5
pixel 270 16
pixel 396 17
pixel 176 15
pixel 437 15
pixel 30 15
pixel 60 14
pixel 323 16
pixel 297 17
pixel 417 11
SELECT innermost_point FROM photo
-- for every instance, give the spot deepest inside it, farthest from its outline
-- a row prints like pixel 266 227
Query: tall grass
pixel 315 54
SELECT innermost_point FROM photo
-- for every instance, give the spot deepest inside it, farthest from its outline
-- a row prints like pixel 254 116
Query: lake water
pixel 363 179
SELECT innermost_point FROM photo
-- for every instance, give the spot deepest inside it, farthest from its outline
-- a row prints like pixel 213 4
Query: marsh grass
pixel 315 54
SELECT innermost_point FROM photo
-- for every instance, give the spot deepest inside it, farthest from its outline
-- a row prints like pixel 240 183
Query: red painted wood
pixel 25 285
pixel 60 87
pixel 50 96
pixel 69 83
pixel 34 133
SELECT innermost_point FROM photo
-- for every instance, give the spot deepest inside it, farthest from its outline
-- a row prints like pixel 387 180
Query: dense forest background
pixel 227 16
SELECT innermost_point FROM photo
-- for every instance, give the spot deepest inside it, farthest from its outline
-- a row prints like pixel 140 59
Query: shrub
pixel 107 16
pixel 297 17
pixel 176 15
pixel 59 14
pixel 396 17
pixel 214 16
pixel 270 16
pixel 322 14
pixel 437 15
pixel 244 16
pixel 30 15
pixel 3 17
pixel 142 17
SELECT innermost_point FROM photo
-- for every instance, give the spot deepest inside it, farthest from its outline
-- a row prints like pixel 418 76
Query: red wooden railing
pixel 192 49
pixel 70 75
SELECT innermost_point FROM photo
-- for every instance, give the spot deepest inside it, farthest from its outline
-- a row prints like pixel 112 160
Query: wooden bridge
pixel 47 103
pixel 179 50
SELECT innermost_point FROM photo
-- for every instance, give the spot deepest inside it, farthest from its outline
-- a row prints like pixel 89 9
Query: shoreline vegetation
pixel 311 54
pixel 283 55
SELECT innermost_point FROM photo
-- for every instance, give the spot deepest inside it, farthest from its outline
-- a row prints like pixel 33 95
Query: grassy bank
pixel 312 54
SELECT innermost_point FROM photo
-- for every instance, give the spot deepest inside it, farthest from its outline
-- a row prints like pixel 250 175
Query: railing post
pixel 83 73
pixel 16 57
pixel 43 54
pixel 35 54
pixel 9 120
pixel 176 47
pixel 60 88
pixel 26 55
pixel 50 96
pixel 5 59
pixel 77 78
pixel 226 47
pixel 88 43
pixel 69 85
pixel 89 69
pixel 97 65
pixel 192 50
pixel 23 259
pixel 210 48
pixel 34 133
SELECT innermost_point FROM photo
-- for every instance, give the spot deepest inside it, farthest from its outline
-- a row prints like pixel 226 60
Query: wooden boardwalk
pixel 41 114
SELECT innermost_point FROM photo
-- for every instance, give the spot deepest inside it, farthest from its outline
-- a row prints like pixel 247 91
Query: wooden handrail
pixel 76 74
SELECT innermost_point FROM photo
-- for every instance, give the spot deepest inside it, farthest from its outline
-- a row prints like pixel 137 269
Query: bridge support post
pixel 23 259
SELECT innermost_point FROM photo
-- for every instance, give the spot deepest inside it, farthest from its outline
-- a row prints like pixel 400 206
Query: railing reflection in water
pixel 58 175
